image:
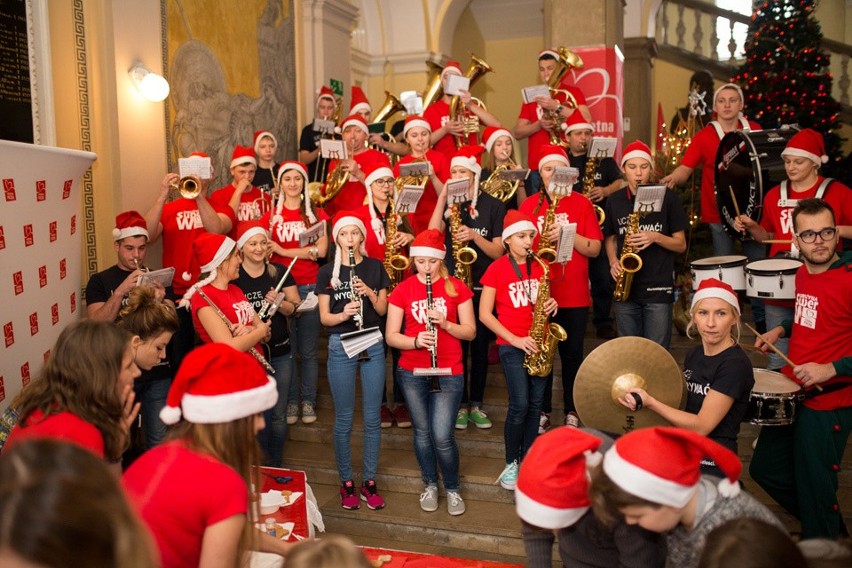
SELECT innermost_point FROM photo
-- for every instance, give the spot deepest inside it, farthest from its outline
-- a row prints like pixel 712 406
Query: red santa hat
pixel 553 153
pixel 344 219
pixel 216 384
pixel 713 288
pixel 807 143
pixel 470 157
pixel 248 229
pixel 429 244
pixel 577 122
pixel 452 66
pixel 209 251
pixel 359 101
pixel 552 488
pixel 199 154
pixel 326 93
pixel 129 224
pixel 637 149
pixel 242 155
pixel 279 207
pixel 492 133
pixel 515 222
pixel 376 170
pixel 549 51
pixel 663 464
pixel 261 134
pixel 355 120
pixel 413 120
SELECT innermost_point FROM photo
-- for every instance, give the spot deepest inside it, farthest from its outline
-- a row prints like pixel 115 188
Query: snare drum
pixel 774 400
pixel 772 278
pixel 728 269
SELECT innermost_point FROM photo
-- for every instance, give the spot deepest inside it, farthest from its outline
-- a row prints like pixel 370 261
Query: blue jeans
pixel 152 396
pixel 304 339
pixel 341 379
pixel 272 438
pixel 723 245
pixel 651 321
pixel 774 316
pixel 526 395
pixel 433 416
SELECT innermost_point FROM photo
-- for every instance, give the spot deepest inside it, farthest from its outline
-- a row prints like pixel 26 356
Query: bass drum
pixel 750 164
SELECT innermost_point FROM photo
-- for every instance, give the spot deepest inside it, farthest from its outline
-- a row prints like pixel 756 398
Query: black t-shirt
pixel 730 373
pixel 255 290
pixel 372 273
pixel 489 224
pixel 606 173
pixel 654 282
pixel 264 178
pixel 309 141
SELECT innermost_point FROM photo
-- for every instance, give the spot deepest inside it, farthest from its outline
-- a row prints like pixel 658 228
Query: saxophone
pixel 395 263
pixel 545 251
pixel 629 260
pixel 545 334
pixel 463 256
pixel 589 184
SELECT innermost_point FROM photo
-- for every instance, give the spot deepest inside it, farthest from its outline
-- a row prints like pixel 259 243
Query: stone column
pixel 580 23
pixel 639 55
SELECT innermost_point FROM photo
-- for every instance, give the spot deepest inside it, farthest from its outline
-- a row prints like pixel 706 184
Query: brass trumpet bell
pixel 189 187
pixel 433 91
pixel 601 215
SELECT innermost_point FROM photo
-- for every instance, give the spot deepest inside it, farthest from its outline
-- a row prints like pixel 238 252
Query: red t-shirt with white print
pixel 514 298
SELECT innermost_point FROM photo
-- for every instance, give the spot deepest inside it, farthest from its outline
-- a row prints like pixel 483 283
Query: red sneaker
pixel 348 499
pixel 400 414
pixel 387 416
pixel 370 495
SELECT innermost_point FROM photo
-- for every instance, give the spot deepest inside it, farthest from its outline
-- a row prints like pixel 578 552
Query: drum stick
pixel 734 200
pixel 778 241
pixel 777 351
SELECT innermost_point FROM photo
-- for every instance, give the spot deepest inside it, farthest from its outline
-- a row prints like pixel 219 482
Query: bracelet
pixel 559 109
pixel 415 343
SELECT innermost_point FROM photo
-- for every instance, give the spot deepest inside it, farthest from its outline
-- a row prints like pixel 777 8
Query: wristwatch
pixel 559 109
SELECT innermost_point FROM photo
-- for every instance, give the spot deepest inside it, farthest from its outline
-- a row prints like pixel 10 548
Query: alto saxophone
pixel 463 256
pixel 395 264
pixel 545 333
pixel 545 251
pixel 589 184
pixel 629 260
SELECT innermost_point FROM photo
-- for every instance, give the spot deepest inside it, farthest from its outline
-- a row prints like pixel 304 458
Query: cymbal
pixel 617 366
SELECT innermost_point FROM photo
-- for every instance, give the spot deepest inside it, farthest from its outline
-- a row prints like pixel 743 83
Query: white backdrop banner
pixel 40 255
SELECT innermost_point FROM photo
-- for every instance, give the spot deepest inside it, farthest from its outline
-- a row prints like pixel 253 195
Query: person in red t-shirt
pixel 292 216
pixel 571 280
pixel 418 135
pixel 444 130
pixel 246 201
pixel 803 155
pixel 193 491
pixel 84 393
pixel 451 317
pixel 511 285
pixel 534 124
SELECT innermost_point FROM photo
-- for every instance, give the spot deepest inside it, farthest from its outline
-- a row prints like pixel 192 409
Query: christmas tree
pixel 785 76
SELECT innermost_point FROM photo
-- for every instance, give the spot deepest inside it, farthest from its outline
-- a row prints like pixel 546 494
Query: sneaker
pixel 348 499
pixel 387 417
pixel 479 418
pixel 543 423
pixel 455 504
pixel 292 413
pixel 571 419
pixel 370 495
pixel 402 417
pixel 461 419
pixel 309 415
pixel 429 499
pixel 509 477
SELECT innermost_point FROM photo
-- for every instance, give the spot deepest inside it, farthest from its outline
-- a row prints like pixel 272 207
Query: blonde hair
pixel 332 551
pixel 691 325
pixel 146 316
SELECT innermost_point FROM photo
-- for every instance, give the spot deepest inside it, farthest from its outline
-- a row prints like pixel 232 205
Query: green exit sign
pixel 336 86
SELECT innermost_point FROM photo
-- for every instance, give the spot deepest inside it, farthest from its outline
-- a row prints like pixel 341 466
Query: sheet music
pixel 196 166
pixel 324 126
pixel 164 276
pixel 562 181
pixel 408 198
pixel 649 198
pixel 412 102
pixel 421 168
pixel 514 175
pixel 530 93
pixel 457 191
pixel 355 342
pixel 456 84
pixel 602 148
pixel 312 234
pixel 565 245
pixel 309 304
pixel 333 149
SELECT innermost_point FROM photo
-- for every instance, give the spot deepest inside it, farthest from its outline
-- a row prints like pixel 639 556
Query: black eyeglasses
pixel 386 181
pixel 826 234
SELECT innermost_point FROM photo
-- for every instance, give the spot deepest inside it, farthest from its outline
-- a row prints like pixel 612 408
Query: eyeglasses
pixel 826 234
pixel 387 181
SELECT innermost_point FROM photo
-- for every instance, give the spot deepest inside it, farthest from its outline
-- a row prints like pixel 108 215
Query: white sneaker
pixel 455 504
pixel 292 413
pixel 309 415
pixel 429 499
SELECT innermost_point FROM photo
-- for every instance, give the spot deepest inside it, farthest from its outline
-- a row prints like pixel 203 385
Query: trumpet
pixel 189 187
pixel 478 67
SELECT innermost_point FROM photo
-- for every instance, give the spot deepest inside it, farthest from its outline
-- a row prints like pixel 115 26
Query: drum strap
pixel 744 125
pixel 785 202
pixel 834 387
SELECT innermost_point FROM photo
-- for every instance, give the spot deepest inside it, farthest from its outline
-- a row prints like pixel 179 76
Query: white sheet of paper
pixel 324 126
pixel 309 236
pixel 457 191
pixel 530 93
pixel 456 84
pixel 649 198
pixel 415 168
pixel 412 102
pixel 565 245
pixel 333 149
pixel 164 276
pixel 562 181
pixel 602 148
pixel 309 303
pixel 355 342
pixel 195 166
pixel 514 175
pixel 408 198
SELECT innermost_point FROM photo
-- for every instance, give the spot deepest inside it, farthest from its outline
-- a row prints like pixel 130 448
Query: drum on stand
pixel 773 278
pixel 750 164
pixel 774 400
pixel 728 269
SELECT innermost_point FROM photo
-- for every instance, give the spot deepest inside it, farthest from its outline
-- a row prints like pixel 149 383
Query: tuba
pixel 477 68
pixel 390 107
pixel 589 184
pixel 189 187
pixel 499 188
pixel 395 264
pixel 567 60
pixel 462 255
pixel 629 260
pixel 433 91
pixel 545 334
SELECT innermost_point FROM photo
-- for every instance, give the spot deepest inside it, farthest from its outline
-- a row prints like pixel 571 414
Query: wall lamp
pixel 151 85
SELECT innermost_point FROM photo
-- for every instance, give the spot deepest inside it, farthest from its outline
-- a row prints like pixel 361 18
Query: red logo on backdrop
pixel 602 83
pixel 73 224
pixel 54 230
pixel 9 189
pixel 42 276
pixel 73 302
pixel 66 189
pixel 33 323
pixel 62 269
pixel 28 235
pixel 9 333
pixel 18 279
pixel 2 388
pixel 41 190
pixel 2 238
pixel 54 314
pixel 25 374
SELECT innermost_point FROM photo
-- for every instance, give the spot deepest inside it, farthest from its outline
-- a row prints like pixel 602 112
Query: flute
pixel 266 310
pixel 252 351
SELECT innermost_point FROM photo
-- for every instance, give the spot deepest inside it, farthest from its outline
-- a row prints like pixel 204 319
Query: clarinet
pixel 267 308
pixel 252 351
pixel 353 297
pixel 435 381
